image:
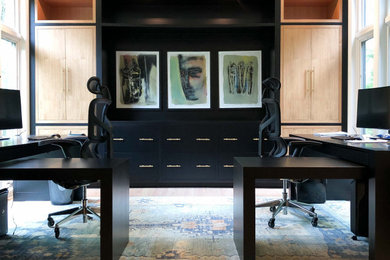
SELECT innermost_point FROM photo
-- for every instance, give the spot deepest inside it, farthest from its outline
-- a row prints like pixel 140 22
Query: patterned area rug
pixel 184 228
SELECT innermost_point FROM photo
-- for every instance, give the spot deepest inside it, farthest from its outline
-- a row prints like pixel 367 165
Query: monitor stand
pixel 3 138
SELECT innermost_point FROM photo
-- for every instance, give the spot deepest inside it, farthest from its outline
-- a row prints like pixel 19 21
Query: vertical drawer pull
pixel 202 139
pixel 203 166
pixel 228 166
pixel 173 139
pixel 230 139
pixel 173 166
pixel 146 166
pixel 145 139
pixel 256 139
pixel 119 139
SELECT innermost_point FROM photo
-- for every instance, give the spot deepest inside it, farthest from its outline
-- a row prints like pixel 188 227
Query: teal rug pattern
pixel 184 228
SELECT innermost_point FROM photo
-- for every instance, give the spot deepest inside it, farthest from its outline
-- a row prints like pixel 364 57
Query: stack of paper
pixel 330 134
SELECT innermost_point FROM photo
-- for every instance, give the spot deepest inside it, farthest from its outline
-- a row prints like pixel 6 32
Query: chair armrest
pixel 297 147
pixel 63 144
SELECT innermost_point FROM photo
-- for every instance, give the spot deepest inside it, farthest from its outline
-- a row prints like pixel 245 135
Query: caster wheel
pixel 272 208
pixel 312 209
pixel 271 223
pixel 57 232
pixel 354 238
pixel 50 221
pixel 314 222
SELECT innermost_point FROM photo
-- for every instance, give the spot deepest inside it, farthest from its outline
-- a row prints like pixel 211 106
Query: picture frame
pixel 188 80
pixel 239 79
pixel 137 79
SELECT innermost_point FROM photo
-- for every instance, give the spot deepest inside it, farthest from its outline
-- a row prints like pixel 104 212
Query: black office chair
pixel 97 145
pixel 269 137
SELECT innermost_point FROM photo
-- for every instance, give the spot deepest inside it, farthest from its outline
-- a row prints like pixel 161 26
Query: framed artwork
pixel 137 79
pixel 188 80
pixel 239 79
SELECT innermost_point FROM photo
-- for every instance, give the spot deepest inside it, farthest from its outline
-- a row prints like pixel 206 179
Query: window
pixel 10 41
pixel 367 13
pixel 8 13
pixel 367 73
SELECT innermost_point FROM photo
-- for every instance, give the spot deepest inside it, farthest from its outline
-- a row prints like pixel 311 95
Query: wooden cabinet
pixel 65 57
pixel 311 74
pixel 311 11
pixel 61 130
pixel 65 11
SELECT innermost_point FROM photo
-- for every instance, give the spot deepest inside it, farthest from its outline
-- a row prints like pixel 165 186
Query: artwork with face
pixel 137 80
pixel 239 79
pixel 188 80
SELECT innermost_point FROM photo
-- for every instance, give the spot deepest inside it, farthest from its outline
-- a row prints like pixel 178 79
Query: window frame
pixel 19 36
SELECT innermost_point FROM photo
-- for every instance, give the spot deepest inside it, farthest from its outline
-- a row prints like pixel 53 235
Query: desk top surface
pixel 60 164
pixel 375 147
pixel 300 167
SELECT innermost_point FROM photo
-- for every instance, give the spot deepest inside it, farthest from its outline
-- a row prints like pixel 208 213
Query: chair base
pixel 282 204
pixel 83 210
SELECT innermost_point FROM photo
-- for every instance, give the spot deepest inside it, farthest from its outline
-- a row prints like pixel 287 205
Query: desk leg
pixel 244 214
pixel 114 225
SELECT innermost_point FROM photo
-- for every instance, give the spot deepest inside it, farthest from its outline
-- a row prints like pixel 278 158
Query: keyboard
pixel 346 137
pixel 41 137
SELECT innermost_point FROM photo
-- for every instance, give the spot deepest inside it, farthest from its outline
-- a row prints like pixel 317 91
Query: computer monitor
pixel 10 109
pixel 373 109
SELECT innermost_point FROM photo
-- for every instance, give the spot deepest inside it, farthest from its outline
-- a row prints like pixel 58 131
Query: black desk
pixel 370 200
pixel 114 183
pixel 18 147
pixel 248 169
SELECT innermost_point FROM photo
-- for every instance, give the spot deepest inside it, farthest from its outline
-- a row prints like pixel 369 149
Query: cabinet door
pixel 50 74
pixel 295 74
pixel 326 74
pixel 80 66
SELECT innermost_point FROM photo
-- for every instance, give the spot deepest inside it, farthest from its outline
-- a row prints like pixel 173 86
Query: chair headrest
pixel 94 86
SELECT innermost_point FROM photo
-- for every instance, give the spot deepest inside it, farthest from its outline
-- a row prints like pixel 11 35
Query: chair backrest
pixel 99 142
pixel 269 129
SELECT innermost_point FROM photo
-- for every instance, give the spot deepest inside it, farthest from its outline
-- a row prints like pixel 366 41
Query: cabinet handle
pixel 145 139
pixel 173 139
pixel 203 166
pixel 146 166
pixel 228 166
pixel 64 74
pixel 119 139
pixel 173 166
pixel 255 139
pixel 203 139
pixel 67 80
pixel 312 80
pixel 230 139
pixel 308 83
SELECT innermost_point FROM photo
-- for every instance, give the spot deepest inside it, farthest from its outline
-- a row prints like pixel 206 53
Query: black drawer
pixel 225 164
pixel 189 168
pixel 136 138
pixel 238 137
pixel 144 168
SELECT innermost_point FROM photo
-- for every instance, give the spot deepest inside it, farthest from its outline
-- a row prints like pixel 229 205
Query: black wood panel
pixel 182 39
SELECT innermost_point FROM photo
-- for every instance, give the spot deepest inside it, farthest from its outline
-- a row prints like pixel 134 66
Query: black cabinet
pixel 185 153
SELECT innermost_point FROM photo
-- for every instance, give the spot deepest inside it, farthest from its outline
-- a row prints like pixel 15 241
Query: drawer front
pixel 203 138
pixel 144 168
pixel 238 137
pixel 139 138
pixel 188 168
pixel 225 164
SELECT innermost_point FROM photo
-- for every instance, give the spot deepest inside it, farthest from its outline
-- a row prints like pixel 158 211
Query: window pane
pixel 7 13
pixel 367 13
pixel 9 64
pixel 368 63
